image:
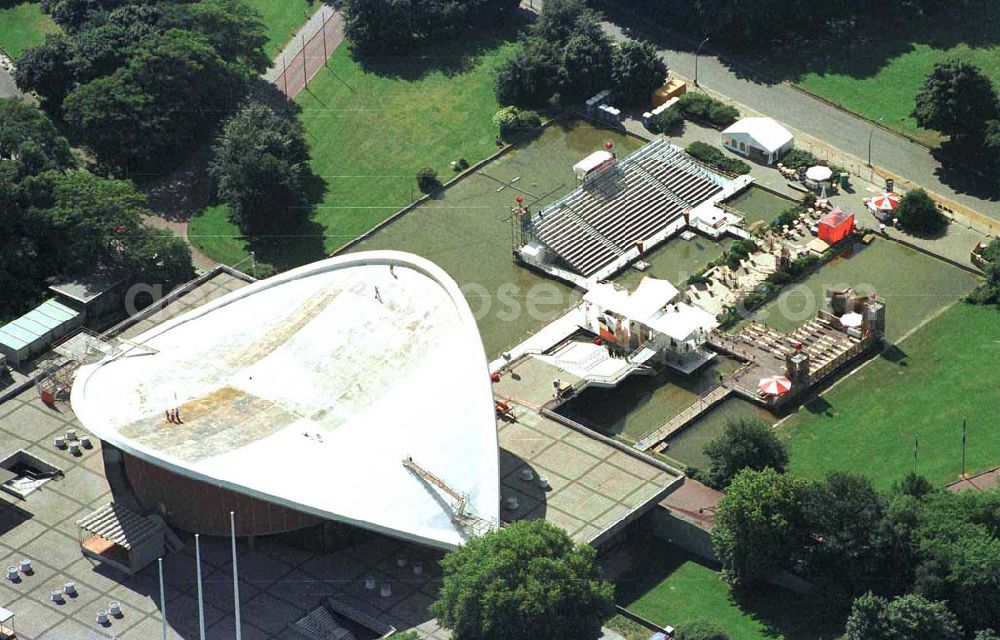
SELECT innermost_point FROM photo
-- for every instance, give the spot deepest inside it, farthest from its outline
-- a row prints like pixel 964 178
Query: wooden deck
pixel 684 418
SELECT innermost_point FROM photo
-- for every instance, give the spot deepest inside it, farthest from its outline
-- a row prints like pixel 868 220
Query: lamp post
pixel 697 53
pixel 870 135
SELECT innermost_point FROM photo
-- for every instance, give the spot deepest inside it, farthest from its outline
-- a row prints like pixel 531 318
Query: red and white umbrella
pixel 885 201
pixel 774 385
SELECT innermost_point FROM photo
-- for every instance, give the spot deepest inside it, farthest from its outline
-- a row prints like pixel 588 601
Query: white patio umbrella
pixel 851 320
pixel 819 173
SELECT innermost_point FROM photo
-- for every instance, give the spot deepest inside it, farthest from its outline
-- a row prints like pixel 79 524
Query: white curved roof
pixel 308 390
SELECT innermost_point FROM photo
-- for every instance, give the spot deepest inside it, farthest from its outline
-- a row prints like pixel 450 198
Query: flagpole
pixel 916 445
pixel 163 599
pixel 236 580
pixel 201 600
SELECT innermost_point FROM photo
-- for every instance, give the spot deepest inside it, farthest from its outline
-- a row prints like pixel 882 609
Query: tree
pixel 560 20
pixel 46 69
pixel 991 145
pixel 909 617
pixel 701 630
pixel 232 27
pixel 74 15
pixel 91 224
pixel 586 64
pixel 855 552
pixel 259 164
pixel 174 87
pixel 523 582
pixel 744 444
pixel 959 550
pixel 957 99
pixel 760 525
pixel 636 70
pixel 748 24
pixel 526 79
pixel 918 214
pixel 30 140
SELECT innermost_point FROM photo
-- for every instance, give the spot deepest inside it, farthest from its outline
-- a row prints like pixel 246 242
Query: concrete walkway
pixel 838 128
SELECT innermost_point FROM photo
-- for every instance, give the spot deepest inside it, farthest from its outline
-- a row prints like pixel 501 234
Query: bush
pixel 714 157
pixel 427 179
pixel 513 120
pixel 918 214
pixel 698 106
pixel 701 630
pixel 667 121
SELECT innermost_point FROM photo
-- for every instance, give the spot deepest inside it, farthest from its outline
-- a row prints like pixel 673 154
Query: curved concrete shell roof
pixel 309 389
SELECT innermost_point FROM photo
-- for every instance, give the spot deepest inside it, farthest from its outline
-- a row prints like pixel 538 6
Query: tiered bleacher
pixel 632 201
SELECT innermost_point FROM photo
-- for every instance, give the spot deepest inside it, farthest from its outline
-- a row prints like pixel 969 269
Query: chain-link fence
pixel 299 69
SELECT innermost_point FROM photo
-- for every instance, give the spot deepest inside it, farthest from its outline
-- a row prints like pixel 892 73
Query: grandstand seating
pixel 637 198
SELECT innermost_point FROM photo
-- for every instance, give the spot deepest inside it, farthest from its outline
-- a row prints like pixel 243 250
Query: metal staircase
pixel 463 515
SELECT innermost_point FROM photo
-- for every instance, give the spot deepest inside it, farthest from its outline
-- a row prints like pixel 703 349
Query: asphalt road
pixel 820 120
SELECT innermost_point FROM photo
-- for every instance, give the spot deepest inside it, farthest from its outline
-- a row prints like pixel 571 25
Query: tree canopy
pixel 744 444
pixel 909 617
pixel 636 70
pixel 260 165
pixel 760 525
pixel 60 221
pixel 918 214
pixel 523 582
pixel 138 82
pixel 957 99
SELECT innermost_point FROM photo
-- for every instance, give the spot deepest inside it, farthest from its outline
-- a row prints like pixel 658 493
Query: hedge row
pixel 714 157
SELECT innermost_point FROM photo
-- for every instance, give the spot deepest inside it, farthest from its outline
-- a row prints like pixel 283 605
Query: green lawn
pixel 944 372
pixel 671 587
pixel 283 18
pixel 878 72
pixel 914 286
pixel 369 132
pixel 22 25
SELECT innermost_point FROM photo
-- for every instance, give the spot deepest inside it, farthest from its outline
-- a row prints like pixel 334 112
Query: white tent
pixel 761 139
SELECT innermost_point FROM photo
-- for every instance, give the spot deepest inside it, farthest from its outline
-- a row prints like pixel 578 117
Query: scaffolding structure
pixel 463 516
pixel 80 348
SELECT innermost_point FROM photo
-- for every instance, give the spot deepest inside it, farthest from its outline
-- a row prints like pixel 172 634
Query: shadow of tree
pixel 451 56
pixel 858 49
pixel 301 244
pixel 966 169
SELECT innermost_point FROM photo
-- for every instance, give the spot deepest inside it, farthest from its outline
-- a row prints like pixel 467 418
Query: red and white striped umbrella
pixel 886 201
pixel 774 385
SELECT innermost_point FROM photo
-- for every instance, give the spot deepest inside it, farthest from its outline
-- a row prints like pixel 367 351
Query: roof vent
pixel 512 503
